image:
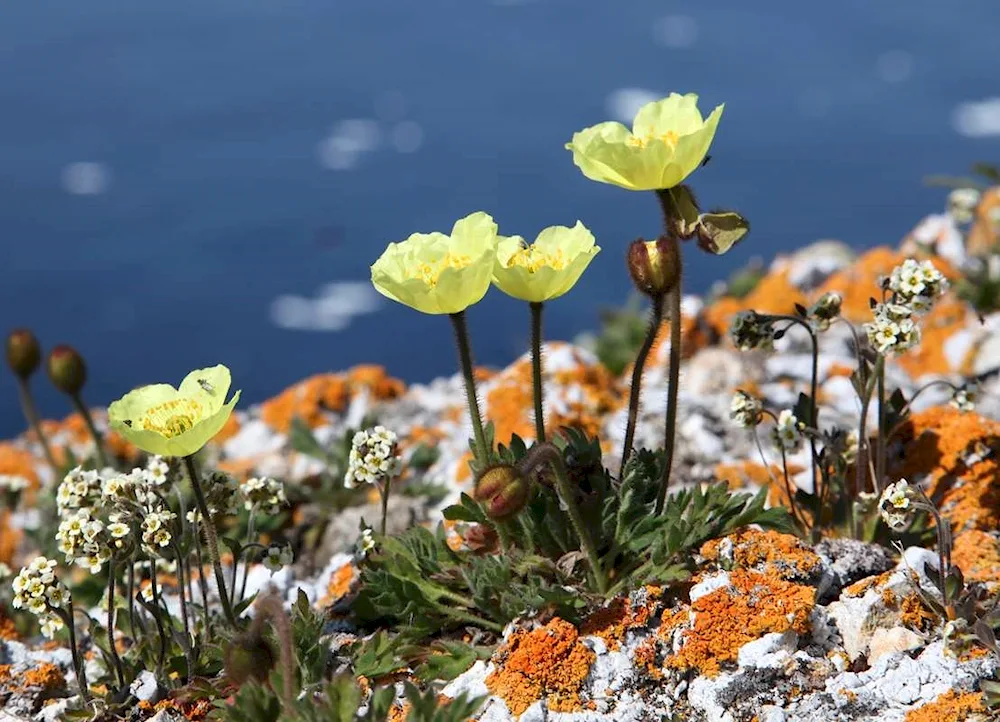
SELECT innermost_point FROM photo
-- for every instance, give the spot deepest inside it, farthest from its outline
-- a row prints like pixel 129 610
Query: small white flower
pixel 374 457
pixel 895 505
pixel 278 557
pixel 788 432
pixel 965 398
pixel 49 624
pixel 962 203
pixel 745 409
pixel 265 493
pixel 157 470
pixel 366 542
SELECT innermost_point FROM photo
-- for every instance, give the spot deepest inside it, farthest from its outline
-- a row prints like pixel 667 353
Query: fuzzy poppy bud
pixel 248 656
pixel 503 490
pixel 23 352
pixel 67 370
pixel 655 266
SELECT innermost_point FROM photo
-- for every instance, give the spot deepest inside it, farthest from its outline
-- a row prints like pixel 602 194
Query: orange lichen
pixel 622 614
pixel 375 379
pixel 955 452
pixel 549 662
pixel 46 676
pixel 7 628
pixel 948 316
pixel 10 537
pixel 977 554
pixel 693 338
pixel 18 462
pixel 914 614
pixel 752 605
pixel 229 430
pixel 951 706
pixel 860 587
pixel 463 472
pixel 600 396
pixel 768 552
pixel 340 585
pixel 746 473
pixel 984 235
pixel 509 403
pixel 859 282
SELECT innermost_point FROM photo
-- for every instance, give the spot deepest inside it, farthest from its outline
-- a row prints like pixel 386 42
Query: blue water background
pixel 208 114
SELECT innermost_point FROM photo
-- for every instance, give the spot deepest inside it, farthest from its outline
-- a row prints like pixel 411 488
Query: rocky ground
pixel 770 629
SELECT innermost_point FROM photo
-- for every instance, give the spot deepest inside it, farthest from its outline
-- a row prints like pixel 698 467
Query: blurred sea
pixel 178 179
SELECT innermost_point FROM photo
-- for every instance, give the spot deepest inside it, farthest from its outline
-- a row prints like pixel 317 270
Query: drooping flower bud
pixel 67 370
pixel 503 490
pixel 655 266
pixel 23 352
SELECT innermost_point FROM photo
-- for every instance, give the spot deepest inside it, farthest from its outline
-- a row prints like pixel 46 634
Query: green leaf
pixel 719 232
pixel 301 438
pixel 681 210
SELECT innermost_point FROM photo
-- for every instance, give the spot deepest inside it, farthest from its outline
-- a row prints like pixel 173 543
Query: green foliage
pixel 621 333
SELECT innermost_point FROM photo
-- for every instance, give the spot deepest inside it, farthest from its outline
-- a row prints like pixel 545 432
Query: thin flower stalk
pixel 468 373
pixel 88 420
pixel 69 619
pixel 674 381
pixel 635 387
pixel 536 370
pixel 112 648
pixel 31 414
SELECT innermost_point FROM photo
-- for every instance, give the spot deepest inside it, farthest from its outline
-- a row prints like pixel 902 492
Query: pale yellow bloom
pixel 547 268
pixel 160 419
pixel 438 273
pixel 668 141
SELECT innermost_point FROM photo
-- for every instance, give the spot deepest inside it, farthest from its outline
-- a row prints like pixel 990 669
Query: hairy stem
pixel 81 408
pixel 31 414
pixel 549 454
pixel 536 370
pixel 81 674
pixel 112 648
pixel 384 491
pixel 155 587
pixel 251 538
pixel 635 388
pixel 880 460
pixel 674 380
pixel 212 540
pixel 465 360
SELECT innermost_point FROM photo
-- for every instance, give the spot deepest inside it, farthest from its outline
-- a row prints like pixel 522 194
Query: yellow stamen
pixel 669 138
pixel 532 258
pixel 430 272
pixel 172 418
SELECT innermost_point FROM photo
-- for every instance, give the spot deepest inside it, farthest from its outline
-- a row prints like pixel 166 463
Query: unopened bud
pixel 655 266
pixel 248 656
pixel 67 370
pixel 23 352
pixel 503 490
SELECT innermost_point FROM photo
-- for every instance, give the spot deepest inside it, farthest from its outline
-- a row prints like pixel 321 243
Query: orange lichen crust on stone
pixel 549 662
pixel 858 283
pixel 45 676
pixel 750 606
pixel 509 403
pixel 861 587
pixel 977 554
pixel 746 473
pixel 951 706
pixel 984 235
pixel 623 614
pixel 767 552
pixel 957 454
pixel 946 318
pixel 342 582
pixel 915 614
pixel 73 430
pixel 310 399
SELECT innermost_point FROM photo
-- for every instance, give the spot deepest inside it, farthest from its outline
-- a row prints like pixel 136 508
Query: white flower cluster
pixel 750 331
pixel 79 489
pixel 895 505
pixel 37 590
pixel 156 529
pixel 85 540
pixel 917 285
pixel 12 483
pixel 366 542
pixel 157 471
pixel 746 410
pixel 264 493
pixel 278 557
pixel 965 398
pixel 222 495
pixel 893 330
pixel 374 457
pixel 826 310
pixel 788 432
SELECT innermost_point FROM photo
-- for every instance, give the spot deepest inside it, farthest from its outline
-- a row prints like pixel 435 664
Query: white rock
pixel 472 682
pixel 810 266
pixel 771 650
pixel 708 585
pixel 255 438
pixel 145 687
pixel 890 641
pixel 703 693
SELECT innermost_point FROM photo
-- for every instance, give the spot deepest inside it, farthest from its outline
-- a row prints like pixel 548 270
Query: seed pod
pixel 655 266
pixel 67 369
pixel 23 352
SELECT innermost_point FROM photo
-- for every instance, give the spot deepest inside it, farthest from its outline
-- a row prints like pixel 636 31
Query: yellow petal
pixel 601 152
pixel 677 114
pixel 210 385
pixel 548 268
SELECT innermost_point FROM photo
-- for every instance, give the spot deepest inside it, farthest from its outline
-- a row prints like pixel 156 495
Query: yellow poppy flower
pixel 160 419
pixel 547 268
pixel 668 141
pixel 438 273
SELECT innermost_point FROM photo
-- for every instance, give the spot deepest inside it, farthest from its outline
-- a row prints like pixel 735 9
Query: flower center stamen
pixel 532 258
pixel 430 272
pixel 669 138
pixel 171 418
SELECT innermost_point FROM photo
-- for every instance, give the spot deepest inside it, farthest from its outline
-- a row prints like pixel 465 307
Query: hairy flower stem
pixel 384 492
pixel 536 370
pixel 31 414
pixel 548 454
pixel 81 408
pixel 270 608
pixel 655 319
pixel 674 372
pixel 203 585
pixel 181 590
pixel 251 538
pixel 112 648
pixel 155 587
pixel 796 512
pixel 880 441
pixel 81 675
pixel 465 359
pixel 212 540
